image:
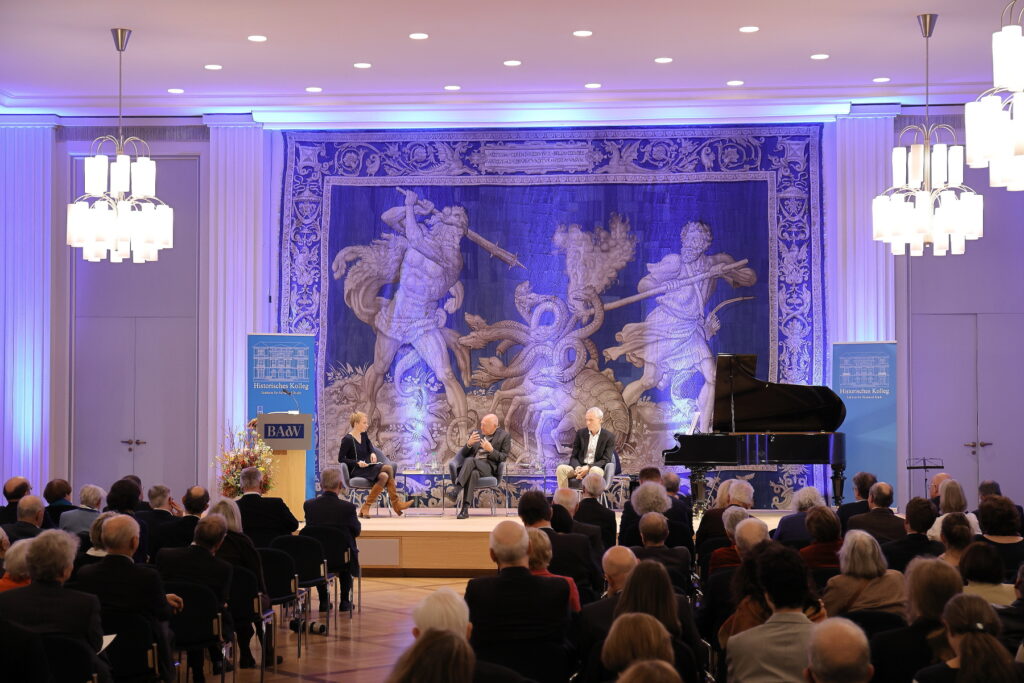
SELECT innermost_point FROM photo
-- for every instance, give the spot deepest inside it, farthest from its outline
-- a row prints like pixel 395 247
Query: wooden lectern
pixel 290 435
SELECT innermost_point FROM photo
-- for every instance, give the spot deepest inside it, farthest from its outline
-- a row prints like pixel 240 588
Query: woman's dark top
pixel 940 673
pixel 352 451
pixel 1012 554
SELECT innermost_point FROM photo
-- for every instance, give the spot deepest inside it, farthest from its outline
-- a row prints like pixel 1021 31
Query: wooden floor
pixel 364 649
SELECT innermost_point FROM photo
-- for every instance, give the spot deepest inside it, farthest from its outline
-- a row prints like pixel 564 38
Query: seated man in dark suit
pixel 328 509
pixel 520 621
pixel 31 514
pixel 570 553
pixel 46 607
pixel 629 531
pixel 161 508
pixel 920 517
pixel 569 501
pixel 197 564
pixel 57 495
pixel 180 531
pixel 597 617
pixel 139 503
pixel 862 483
pixel 880 521
pixel 680 515
pixel 124 587
pixel 592 451
pixel 15 489
pixel 591 511
pixel 263 518
pixel 654 532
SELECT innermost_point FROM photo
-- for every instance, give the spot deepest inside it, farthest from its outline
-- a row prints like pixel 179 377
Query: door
pixel 999 415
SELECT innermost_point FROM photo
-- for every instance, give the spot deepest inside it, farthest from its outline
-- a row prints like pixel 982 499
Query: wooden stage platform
pixel 424 543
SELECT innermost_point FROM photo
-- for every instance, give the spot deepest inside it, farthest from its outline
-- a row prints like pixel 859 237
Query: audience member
pixel 899 653
pixel 777 649
pixel 540 559
pixel 5 544
pixel 865 582
pixel 15 489
pixel 263 518
pixel 31 513
pixel 45 606
pixel 21 651
pixel 982 570
pixel 123 498
pixel 636 637
pixel 919 520
pixel 520 621
pixel 654 533
pixel 991 488
pixel 792 529
pixel 95 550
pixel 679 515
pixel 952 499
pixel 591 511
pixel 671 481
pixel 935 488
pixel 651 496
pixel 823 527
pixel 179 532
pixel 879 520
pixel 16 566
pixel 57 495
pixel 570 553
pixel 838 653
pixel 722 494
pixel 649 671
pixel 1012 616
pixel 80 519
pixel 139 503
pixel 740 493
pixel 597 617
pixel 727 555
pixel 956 536
pixel 972 628
pixel 1000 526
pixel 734 600
pixel 862 483
pixel 160 510
pixel 329 510
pixel 565 502
pixel 444 610
pixel 435 657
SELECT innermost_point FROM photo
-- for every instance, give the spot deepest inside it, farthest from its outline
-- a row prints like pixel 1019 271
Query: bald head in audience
pixel 120 535
pixel 838 653
pixel 750 533
pixel 16 488
pixel 936 483
pixel 880 495
pixel 617 563
pixel 510 545
pixel 653 529
pixel 31 510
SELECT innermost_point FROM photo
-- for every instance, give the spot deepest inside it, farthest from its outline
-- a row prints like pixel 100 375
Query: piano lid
pixel 766 407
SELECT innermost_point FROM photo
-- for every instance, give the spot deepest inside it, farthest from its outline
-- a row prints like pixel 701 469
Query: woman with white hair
pixel 16 566
pixel 792 529
pixel 865 581
pixel 952 499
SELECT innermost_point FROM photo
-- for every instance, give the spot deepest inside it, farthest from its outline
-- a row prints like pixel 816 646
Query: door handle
pixel 139 443
pixel 984 443
pixel 972 444
pixel 129 442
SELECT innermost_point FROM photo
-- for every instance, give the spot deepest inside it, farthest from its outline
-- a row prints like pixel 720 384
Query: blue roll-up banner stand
pixel 280 373
pixel 864 376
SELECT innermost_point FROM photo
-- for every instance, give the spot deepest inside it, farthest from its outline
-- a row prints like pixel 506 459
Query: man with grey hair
pixel 654 533
pixel 592 451
pixel 838 652
pixel 792 529
pixel 591 511
pixel 482 455
pixel 45 606
pixel 520 621
pixel 726 556
pixel 329 510
pixel 90 500
pixel 741 493
pixel 880 521
pixel 31 511
pixel 264 518
pixel 564 504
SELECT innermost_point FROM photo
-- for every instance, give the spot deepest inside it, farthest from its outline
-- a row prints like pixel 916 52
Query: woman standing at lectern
pixel 356 453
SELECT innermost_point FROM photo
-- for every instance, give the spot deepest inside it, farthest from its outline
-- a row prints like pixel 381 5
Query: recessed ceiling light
pixel 592 86
pixel 175 91
pixel 257 39
pixel 512 62
pixel 583 34
pixel 819 56
pixel 749 29
pixel 453 87
pixel 362 65
pixel 418 36
pixel 662 60
pixel 213 67
pixel 314 88
pixel 734 83
pixel 881 79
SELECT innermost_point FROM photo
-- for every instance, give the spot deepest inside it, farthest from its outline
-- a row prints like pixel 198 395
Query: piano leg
pixel 699 487
pixel 838 480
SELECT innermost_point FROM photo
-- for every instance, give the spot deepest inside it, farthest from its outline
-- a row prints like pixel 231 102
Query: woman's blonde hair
pixel 355 418
pixel 722 494
pixel 229 510
pixel 951 497
pixel 635 636
pixel 540 549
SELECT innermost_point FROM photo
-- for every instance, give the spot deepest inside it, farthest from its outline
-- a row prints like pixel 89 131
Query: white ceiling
pixel 57 56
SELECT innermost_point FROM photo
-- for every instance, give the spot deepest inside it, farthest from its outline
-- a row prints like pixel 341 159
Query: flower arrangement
pixel 243 449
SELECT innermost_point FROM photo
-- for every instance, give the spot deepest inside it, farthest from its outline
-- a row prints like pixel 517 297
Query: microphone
pixel 294 400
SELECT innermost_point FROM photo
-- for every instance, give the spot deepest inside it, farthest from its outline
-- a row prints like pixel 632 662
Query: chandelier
pixel 993 125
pixel 928 202
pixel 120 215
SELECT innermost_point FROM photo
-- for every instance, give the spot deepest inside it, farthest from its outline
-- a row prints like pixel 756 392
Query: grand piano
pixel 761 423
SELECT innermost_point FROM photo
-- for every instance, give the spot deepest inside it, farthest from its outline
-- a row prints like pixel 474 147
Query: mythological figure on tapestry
pixel 674 337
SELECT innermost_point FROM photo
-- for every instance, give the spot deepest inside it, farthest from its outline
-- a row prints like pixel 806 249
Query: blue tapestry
pixel 537 273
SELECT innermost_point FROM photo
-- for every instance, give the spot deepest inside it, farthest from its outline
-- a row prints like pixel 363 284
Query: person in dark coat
pixel 592 451
pixel 180 531
pixel 862 483
pixel 57 495
pixel 592 511
pixel 571 553
pixel 329 510
pixel 482 455
pixel 31 514
pixel 629 534
pixel 880 521
pixel 123 498
pixel 263 518
pixel 919 519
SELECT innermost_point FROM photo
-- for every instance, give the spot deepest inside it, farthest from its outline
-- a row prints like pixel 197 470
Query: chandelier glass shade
pixel 120 216
pixel 928 203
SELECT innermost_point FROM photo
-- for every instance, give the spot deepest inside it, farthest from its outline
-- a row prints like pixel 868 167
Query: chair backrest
pixel 244 595
pixel 874 621
pixel 84 541
pixel 279 573
pixel 70 659
pixel 132 654
pixel 306 552
pixel 336 545
pixel 381 458
pixel 199 621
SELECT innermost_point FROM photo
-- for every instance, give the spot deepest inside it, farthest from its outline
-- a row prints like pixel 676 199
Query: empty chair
pixel 283 589
pixel 200 624
pixel 310 563
pixel 133 654
pixel 70 660
pixel 342 558
pixel 246 605
pixel 875 621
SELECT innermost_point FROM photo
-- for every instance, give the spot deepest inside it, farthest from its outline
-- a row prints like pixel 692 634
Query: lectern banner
pixel 864 376
pixel 280 372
